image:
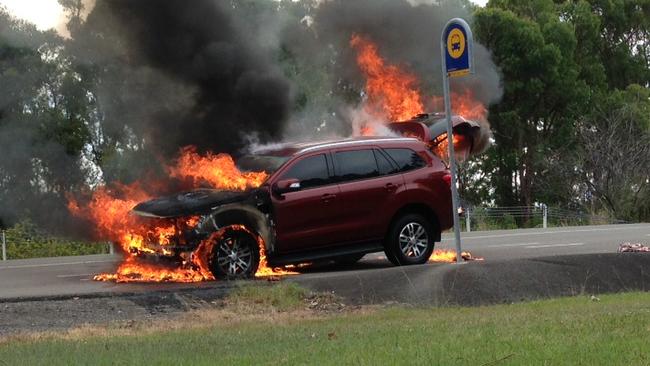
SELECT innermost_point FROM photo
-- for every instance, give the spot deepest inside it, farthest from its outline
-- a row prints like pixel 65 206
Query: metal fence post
pixel 545 216
pixel 468 220
pixel 4 246
pixel 111 248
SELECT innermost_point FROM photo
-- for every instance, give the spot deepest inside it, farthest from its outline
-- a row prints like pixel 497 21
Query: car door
pixel 303 218
pixel 368 184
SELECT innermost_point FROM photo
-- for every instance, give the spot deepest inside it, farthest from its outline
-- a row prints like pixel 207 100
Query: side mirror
pixel 286 185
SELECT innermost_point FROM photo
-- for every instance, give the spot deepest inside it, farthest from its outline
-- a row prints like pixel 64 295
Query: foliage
pixel 568 68
pixel 25 241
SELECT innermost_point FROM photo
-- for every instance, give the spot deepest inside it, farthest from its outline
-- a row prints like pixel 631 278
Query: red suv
pixel 330 200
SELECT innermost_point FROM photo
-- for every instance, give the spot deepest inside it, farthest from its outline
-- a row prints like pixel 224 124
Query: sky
pixel 45 14
pixel 48 14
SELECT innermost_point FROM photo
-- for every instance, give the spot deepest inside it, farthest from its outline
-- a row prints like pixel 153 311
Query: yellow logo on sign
pixel 456 43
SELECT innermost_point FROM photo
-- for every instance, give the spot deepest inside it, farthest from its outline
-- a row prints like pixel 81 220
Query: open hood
pixel 196 202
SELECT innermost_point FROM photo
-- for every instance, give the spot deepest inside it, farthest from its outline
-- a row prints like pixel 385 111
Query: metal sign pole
pixel 452 161
pixel 456 50
pixel 4 246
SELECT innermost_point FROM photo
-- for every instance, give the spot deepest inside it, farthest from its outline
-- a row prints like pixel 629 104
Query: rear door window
pixel 355 165
pixel 310 171
pixel 385 166
pixel 406 159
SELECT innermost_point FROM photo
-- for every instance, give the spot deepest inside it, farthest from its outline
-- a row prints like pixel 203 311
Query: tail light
pixel 447 179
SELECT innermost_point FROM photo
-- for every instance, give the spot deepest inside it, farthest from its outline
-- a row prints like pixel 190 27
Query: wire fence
pixel 515 217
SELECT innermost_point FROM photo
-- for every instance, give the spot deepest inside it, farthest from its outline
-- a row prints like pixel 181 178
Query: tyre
pixel 348 260
pixel 410 240
pixel 235 255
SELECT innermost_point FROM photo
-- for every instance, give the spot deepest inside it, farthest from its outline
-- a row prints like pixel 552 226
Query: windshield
pixel 258 163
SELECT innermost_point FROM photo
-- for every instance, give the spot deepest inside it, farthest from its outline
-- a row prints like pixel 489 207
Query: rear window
pixel 406 159
pixel 358 164
pixel 311 172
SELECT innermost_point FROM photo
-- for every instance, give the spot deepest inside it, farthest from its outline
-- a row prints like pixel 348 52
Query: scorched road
pixel 71 276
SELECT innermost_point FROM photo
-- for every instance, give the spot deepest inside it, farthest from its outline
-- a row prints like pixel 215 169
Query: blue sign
pixel 457 44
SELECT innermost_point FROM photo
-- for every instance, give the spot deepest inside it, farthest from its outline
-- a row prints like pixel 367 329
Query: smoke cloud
pixel 190 74
pixel 407 33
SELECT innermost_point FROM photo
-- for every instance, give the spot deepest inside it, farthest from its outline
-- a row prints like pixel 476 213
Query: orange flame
pixel 464 104
pixel 219 171
pixel 109 209
pixel 440 147
pixel 449 256
pixel 392 92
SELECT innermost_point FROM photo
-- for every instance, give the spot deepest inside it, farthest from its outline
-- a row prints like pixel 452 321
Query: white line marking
pixel 75 275
pixel 541 233
pixel 555 245
pixel 509 245
pixel 56 264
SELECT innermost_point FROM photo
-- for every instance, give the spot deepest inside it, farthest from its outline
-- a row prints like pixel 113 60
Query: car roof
pixel 293 148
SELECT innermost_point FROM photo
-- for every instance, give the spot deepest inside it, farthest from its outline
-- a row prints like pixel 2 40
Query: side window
pixel 311 172
pixel 354 165
pixel 406 159
pixel 385 166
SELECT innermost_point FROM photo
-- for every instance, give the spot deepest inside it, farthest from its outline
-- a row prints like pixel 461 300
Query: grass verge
pixel 24 241
pixel 281 328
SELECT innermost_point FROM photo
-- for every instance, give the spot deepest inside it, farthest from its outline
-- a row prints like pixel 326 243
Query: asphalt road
pixel 71 276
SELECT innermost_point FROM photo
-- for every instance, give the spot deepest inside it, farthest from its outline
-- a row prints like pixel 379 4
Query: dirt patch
pixel 136 313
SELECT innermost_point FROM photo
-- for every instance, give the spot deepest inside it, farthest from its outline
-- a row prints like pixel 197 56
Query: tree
pixel 615 151
pixel 543 95
pixel 42 132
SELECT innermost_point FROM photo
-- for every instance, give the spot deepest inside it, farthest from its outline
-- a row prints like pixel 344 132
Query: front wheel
pixel 235 255
pixel 409 240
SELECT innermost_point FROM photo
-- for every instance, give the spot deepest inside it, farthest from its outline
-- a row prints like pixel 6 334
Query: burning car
pixel 328 200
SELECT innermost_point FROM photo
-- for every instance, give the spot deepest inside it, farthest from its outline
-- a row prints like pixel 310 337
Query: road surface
pixel 69 276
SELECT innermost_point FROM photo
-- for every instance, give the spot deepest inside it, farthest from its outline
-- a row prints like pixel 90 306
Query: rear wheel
pixel 410 240
pixel 235 255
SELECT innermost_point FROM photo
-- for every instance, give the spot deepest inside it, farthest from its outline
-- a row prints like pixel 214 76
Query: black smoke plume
pixel 190 75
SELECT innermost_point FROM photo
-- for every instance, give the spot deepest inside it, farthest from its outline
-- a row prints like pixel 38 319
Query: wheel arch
pixel 421 209
pixel 241 214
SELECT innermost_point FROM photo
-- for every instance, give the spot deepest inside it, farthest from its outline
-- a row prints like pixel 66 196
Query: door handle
pixel 327 197
pixel 390 187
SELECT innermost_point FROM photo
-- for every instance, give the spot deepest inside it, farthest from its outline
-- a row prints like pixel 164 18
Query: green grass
pixel 568 331
pixel 281 297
